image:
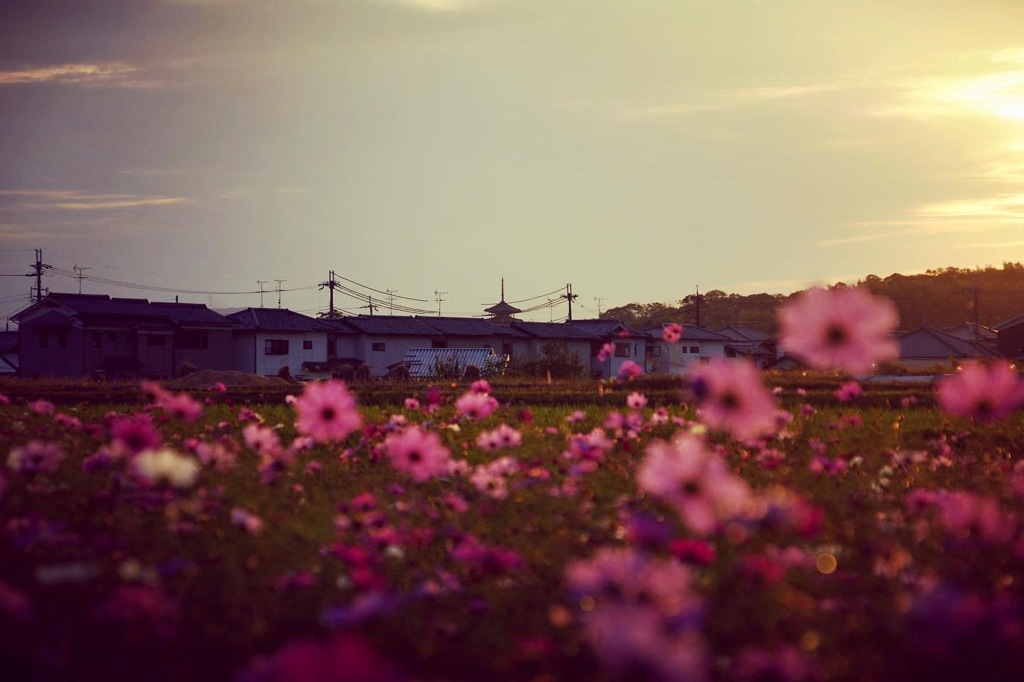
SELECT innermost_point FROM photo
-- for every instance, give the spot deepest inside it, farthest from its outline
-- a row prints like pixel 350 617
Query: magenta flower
pixel 36 457
pixel 636 400
pixel 693 480
pixel 418 453
pixel 848 391
pixel 327 412
pixel 345 657
pixel 40 407
pixel 848 329
pixel 475 405
pixel 629 370
pixel 671 333
pixel 733 398
pixel 982 392
pixel 134 434
pixel 248 521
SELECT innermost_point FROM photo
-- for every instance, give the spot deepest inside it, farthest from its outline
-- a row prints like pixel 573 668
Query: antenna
pixel 391 301
pixel 261 282
pixel 80 276
pixel 279 283
pixel 599 299
pixel 437 297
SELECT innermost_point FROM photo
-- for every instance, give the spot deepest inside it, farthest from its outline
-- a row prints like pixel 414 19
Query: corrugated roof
pixel 390 325
pixel 926 342
pixel 277 319
pixel 554 330
pixel 423 361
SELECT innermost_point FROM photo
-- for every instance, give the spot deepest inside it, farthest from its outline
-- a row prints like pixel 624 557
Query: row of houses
pixel 97 335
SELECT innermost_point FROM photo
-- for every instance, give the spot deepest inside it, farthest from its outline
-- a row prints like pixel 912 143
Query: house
pixel 630 345
pixel 568 336
pixel 1010 337
pixel 268 339
pixel 696 345
pixel 383 341
pixel 97 335
pixel 750 343
pixel 470 332
pixel 8 353
pixel 968 331
pixel 926 347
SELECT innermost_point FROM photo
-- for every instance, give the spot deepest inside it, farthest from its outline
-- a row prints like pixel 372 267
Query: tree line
pixel 940 298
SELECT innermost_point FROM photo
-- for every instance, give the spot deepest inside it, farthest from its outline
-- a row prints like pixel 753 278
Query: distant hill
pixel 938 298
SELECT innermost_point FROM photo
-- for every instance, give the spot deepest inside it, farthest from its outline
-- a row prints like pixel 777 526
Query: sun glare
pixel 1000 94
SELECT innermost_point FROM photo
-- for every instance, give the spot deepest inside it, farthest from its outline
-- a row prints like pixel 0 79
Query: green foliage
pixel 555 361
pixel 447 367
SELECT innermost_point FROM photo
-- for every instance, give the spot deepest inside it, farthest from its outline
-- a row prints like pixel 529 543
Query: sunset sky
pixel 633 148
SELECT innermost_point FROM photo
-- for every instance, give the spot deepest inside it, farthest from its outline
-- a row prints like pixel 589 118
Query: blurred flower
pixel 475 405
pixel 165 465
pixel 671 333
pixel 636 400
pixel 848 328
pixel 629 370
pixel 982 392
pixel 733 397
pixel 35 457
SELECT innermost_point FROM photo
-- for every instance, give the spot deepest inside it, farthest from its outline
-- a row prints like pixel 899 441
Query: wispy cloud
pixel 739 98
pixel 111 74
pixel 999 93
pixel 67 200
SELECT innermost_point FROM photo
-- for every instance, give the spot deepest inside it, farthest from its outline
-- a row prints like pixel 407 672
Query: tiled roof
pixel 99 305
pixel 277 319
pixel 191 313
pixel 8 342
pixel 466 326
pixel 926 342
pixel 554 330
pixel 608 328
pixel 691 332
pixel 385 325
pixel 740 333
pixel 1009 322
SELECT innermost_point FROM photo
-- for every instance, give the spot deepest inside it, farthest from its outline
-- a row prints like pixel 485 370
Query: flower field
pixel 742 527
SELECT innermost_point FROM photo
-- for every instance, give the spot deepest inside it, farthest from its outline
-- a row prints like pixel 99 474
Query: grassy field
pixel 875 539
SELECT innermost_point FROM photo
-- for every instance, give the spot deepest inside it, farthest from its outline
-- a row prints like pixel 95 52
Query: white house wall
pixel 395 348
pixel 270 365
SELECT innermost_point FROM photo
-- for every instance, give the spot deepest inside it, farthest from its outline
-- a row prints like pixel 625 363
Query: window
pixel 622 350
pixel 438 343
pixel 695 349
pixel 654 351
pixel 332 348
pixel 506 348
pixel 156 340
pixel 44 340
pixel 275 347
pixel 307 345
pixel 193 340
pixel 377 347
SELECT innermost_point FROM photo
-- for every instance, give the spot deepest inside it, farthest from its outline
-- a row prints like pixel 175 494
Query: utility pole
pixel 974 292
pixel 369 304
pixel 697 299
pixel 80 276
pixel 599 299
pixel 261 282
pixel 331 285
pixel 570 297
pixel 437 297
pixel 279 283
pixel 39 275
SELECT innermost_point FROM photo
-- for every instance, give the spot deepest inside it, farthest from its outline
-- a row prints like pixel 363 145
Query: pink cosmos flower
pixel 40 407
pixel 502 437
pixel 134 434
pixel 629 370
pixel 694 480
pixel 249 522
pixel 732 397
pixel 475 405
pixel 671 333
pixel 412 404
pixel 605 352
pixel 849 391
pixel 4 400
pixel 982 392
pixel 480 386
pixel 327 412
pixel 345 657
pixel 262 439
pixel 418 453
pixel 636 400
pixel 847 328
pixel 36 457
